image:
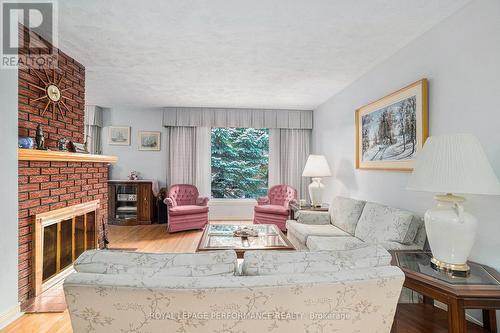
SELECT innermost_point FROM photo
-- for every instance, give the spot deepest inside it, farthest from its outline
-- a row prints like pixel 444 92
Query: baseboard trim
pixel 231 218
pixel 232 202
pixel 10 315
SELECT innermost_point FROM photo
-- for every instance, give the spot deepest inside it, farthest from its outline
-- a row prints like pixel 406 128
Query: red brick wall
pixel 45 186
pixel 55 126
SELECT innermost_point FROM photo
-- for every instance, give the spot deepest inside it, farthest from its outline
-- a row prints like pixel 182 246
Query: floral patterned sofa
pixel 350 223
pixel 275 291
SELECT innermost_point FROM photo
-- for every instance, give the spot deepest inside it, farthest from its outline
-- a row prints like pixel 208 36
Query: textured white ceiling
pixel 233 53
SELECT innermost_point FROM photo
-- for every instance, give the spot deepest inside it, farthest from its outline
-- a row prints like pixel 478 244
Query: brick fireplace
pixel 50 180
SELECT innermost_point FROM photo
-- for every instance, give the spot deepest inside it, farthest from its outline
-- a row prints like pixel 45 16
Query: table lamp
pixel 316 167
pixel 451 164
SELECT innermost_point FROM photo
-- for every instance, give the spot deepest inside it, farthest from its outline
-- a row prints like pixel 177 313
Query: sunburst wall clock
pixel 53 92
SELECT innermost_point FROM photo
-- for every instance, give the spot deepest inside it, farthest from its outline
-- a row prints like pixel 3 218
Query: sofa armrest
pixel 170 202
pixel 390 245
pixel 311 217
pixel 289 202
pixel 202 201
pixel 263 201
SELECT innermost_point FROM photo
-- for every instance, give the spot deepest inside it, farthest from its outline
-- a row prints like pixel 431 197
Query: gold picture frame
pixel 392 130
pixel 149 141
pixel 119 135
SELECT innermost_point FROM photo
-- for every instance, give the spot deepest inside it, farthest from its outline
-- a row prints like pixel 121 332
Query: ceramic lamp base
pixel 316 192
pixel 461 270
pixel 451 232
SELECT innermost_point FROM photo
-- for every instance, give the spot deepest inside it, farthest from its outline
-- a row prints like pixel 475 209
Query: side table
pixel 295 207
pixel 480 290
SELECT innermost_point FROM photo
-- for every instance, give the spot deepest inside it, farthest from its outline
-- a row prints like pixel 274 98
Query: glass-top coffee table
pixel 479 290
pixel 220 237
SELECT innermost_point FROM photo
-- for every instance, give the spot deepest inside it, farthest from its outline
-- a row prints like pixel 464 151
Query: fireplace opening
pixel 60 237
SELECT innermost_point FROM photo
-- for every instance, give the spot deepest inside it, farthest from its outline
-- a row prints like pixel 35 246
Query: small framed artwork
pixel 149 140
pixel 391 131
pixel 119 135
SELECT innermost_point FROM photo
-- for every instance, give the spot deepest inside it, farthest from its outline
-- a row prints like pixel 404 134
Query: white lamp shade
pixel 453 164
pixel 316 166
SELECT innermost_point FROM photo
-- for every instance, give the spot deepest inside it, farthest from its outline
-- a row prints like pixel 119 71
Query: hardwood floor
pixel 142 238
pixel 409 319
pixel 154 238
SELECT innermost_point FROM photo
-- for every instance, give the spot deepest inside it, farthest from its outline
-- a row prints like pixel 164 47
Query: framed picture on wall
pixel 119 135
pixel 391 131
pixel 149 140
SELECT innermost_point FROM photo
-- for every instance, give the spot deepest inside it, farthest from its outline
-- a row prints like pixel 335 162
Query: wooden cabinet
pixel 144 203
pixel 130 202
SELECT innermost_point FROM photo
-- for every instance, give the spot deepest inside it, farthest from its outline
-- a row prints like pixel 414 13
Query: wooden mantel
pixel 53 155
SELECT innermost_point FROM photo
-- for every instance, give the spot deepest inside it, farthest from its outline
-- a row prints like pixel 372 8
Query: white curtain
pixel 203 179
pixel 94 141
pixel 238 117
pixel 288 152
pixel 93 129
pixel 189 154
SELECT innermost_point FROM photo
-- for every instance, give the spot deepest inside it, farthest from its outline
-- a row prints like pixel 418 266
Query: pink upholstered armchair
pixel 275 208
pixel 186 210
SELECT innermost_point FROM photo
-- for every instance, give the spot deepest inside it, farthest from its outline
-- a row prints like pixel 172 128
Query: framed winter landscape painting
pixel 149 140
pixel 392 130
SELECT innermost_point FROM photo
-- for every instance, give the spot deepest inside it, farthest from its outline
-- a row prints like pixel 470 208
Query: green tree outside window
pixel 240 162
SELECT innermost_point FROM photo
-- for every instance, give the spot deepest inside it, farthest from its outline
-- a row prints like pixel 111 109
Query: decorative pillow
pixel 296 262
pixel 157 264
pixel 421 236
pixel 380 223
pixel 345 213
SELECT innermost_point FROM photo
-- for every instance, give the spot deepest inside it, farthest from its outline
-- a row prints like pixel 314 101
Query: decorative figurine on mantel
pixel 61 144
pixel 70 146
pixel 25 142
pixel 39 139
pixel 134 175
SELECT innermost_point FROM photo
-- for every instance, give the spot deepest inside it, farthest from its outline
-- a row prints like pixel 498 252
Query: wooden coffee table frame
pixel 240 251
pixel 458 298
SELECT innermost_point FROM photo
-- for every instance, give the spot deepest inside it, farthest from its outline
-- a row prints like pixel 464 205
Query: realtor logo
pixel 29 34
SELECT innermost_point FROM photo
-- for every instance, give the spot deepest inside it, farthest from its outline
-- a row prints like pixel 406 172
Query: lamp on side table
pixel 452 164
pixel 316 167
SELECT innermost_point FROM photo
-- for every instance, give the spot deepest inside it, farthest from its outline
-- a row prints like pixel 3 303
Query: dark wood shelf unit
pixel 131 202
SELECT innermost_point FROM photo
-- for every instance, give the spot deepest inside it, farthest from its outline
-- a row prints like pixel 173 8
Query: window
pixel 240 162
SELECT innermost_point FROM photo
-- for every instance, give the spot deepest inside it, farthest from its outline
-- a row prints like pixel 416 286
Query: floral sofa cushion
pixel 302 231
pixel 345 213
pixel 157 264
pixel 380 223
pixel 364 300
pixel 318 243
pixel 293 262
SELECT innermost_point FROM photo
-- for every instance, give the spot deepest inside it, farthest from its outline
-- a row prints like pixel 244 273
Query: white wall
pixel 231 209
pixel 8 192
pixel 150 164
pixel 461 59
pixel 153 165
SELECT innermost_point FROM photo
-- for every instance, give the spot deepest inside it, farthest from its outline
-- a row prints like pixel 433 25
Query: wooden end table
pixel 480 290
pixel 295 207
pixel 220 237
